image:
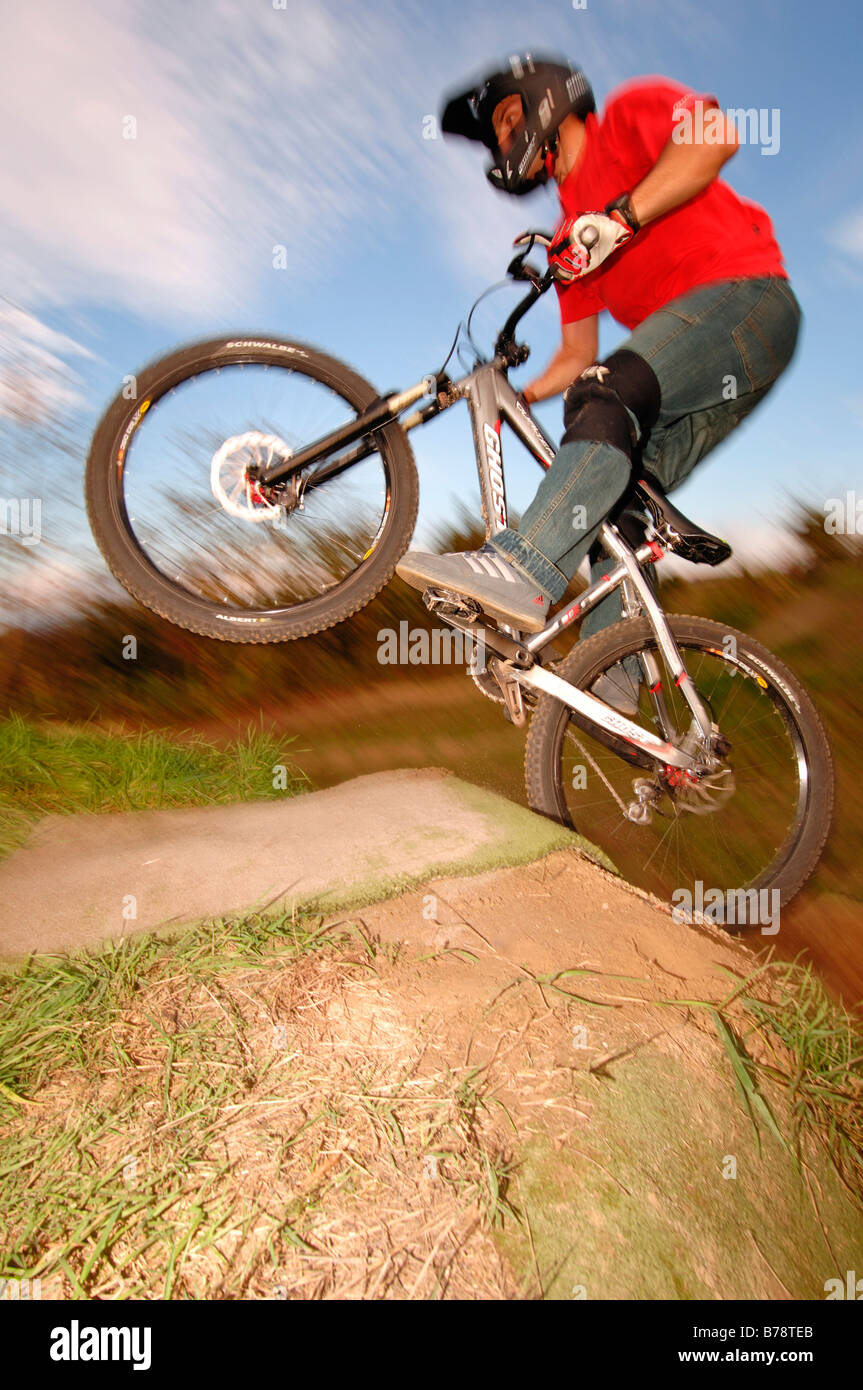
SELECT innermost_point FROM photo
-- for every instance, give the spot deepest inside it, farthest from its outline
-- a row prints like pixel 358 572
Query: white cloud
pixel 19 323
pixel 249 134
pixel 36 382
pixel 256 127
pixel 848 235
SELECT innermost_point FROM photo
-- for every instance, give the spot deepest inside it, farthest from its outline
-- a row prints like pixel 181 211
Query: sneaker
pixel 482 575
pixel 616 689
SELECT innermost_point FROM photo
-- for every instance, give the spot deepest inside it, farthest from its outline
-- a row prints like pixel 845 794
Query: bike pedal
pixel 445 601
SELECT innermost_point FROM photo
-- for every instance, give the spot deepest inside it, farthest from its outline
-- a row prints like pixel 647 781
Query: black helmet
pixel 549 91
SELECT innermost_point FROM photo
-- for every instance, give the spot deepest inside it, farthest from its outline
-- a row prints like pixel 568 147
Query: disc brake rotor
pixel 233 488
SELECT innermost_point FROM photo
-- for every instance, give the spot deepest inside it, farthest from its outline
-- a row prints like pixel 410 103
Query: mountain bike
pixel 254 489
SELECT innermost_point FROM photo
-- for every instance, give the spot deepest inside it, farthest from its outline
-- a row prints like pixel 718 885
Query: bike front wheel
pixel 174 508
pixel 759 823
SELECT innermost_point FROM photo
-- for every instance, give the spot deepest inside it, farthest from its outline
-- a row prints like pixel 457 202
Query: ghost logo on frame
pixel 76 1343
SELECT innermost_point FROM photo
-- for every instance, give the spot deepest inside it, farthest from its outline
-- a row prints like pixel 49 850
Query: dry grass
pixel 266 1132
pixel 278 1108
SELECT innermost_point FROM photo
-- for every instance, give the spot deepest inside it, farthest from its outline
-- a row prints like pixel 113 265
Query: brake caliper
pixel 677 777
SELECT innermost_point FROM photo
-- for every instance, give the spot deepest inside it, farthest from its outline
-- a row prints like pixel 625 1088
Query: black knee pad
pixel 595 405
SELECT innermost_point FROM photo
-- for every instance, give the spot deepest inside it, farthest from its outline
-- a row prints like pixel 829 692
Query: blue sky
pixel 303 126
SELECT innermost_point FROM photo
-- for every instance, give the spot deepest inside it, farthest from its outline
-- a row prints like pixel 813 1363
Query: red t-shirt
pixel 716 235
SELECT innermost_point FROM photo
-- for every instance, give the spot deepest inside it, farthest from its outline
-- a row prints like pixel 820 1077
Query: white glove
pixel 582 243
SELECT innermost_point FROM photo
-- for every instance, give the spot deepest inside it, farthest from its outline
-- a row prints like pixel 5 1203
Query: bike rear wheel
pixel 186 532
pixel 760 824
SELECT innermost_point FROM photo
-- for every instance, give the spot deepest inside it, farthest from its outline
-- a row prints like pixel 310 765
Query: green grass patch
pixel 205 1118
pixel 812 1051
pixel 47 769
pixel 645 1205
pixel 677 1192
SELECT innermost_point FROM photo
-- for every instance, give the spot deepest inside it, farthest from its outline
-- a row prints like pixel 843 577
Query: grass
pixel 240 1113
pixel 636 1204
pixel 245 1112
pixel 193 1120
pixel 45 769
pixel 791 1034
pixel 812 1051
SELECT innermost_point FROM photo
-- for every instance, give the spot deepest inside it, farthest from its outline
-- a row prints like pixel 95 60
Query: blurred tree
pixel 809 525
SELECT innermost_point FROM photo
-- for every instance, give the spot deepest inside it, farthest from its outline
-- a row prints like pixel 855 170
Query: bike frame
pixel 491 401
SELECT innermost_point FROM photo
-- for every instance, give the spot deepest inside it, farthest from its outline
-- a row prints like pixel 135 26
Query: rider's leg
pixel 718 349
pixel 607 410
pixel 714 353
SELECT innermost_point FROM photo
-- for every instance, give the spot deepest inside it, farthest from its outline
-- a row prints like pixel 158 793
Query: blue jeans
pixel 716 352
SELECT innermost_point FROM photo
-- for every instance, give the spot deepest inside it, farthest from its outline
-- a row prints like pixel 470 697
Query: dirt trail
pixel 567 997
pixel 84 879
pixel 559 1017
pixel 444 722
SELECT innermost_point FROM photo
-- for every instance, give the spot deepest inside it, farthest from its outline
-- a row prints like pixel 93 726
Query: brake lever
pixel 532 237
pixel 517 268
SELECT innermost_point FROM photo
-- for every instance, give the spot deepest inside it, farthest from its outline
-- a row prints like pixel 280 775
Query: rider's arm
pixel 683 170
pixel 578 348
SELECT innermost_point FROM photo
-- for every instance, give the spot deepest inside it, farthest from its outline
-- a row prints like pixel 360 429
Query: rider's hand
pixel 568 254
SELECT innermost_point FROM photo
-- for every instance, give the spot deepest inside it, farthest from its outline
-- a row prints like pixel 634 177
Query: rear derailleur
pixel 701 793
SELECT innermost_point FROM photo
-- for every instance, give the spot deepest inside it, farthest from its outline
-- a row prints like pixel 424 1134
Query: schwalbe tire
pixel 154 590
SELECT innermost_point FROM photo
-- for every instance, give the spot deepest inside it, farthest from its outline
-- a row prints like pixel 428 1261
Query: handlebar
pixel 514 353
pixel 506 347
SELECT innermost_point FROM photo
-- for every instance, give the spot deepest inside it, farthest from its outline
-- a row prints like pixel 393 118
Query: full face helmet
pixel 549 91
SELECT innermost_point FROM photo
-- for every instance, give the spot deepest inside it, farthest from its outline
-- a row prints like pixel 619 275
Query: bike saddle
pixel 676 531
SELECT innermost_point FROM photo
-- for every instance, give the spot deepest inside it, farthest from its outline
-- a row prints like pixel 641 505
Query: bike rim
pixel 187 507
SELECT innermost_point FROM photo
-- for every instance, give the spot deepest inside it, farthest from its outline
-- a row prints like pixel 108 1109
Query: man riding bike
pixel 691 268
